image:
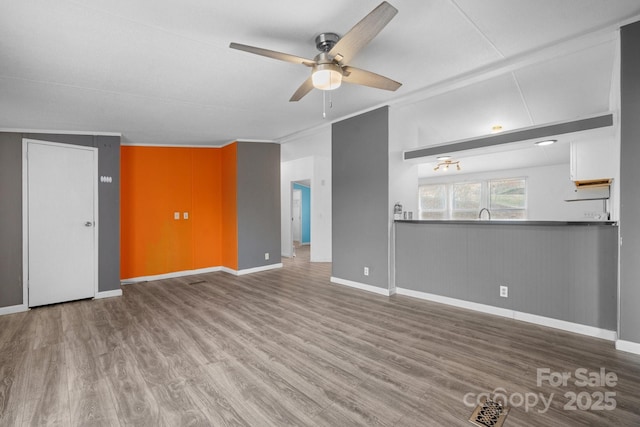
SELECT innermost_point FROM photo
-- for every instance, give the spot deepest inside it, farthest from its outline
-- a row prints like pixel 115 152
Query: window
pixel 506 198
pixel 433 201
pixel 466 200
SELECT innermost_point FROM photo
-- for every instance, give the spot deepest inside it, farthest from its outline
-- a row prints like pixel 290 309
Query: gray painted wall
pixel 109 213
pixel 11 218
pixel 630 185
pixel 562 272
pixel 360 197
pixel 258 198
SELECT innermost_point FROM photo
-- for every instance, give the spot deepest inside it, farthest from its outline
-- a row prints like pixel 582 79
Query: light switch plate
pixel 176 215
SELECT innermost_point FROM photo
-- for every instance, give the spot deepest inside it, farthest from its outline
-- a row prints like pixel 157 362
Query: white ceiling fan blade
pixel 363 32
pixel 304 89
pixel 367 78
pixel 273 54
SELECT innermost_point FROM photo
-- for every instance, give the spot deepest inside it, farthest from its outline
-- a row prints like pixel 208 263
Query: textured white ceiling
pixel 161 72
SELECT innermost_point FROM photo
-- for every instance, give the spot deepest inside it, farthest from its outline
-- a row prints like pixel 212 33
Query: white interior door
pixel 62 237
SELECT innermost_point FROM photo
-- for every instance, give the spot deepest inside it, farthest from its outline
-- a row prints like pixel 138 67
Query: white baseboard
pixel 229 270
pixel 13 309
pixel 361 286
pixel 170 275
pixel 577 328
pixel 628 346
pixel 199 271
pixel 109 294
pixel 456 302
pixel 251 270
pixel 512 314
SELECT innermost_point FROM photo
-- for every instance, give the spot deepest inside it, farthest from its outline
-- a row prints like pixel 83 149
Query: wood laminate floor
pixel 287 348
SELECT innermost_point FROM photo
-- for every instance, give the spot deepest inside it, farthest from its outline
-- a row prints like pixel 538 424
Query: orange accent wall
pixel 155 183
pixel 229 206
pixel 206 199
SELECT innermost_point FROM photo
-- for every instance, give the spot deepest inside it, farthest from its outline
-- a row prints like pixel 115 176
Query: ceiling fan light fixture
pixel 326 76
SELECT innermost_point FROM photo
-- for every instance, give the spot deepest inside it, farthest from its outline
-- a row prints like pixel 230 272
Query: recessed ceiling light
pixel 441 158
pixel 496 128
pixel 545 142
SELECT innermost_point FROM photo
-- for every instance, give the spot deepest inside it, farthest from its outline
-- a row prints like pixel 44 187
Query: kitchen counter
pixel 505 222
pixel 561 270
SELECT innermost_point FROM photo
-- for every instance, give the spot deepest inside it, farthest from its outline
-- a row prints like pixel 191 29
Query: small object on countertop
pixel 397 211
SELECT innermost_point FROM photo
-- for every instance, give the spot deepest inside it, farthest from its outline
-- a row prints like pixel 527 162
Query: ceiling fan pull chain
pixel 324 103
pixel 330 101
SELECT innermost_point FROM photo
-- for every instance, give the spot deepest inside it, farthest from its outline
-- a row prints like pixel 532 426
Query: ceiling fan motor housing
pixel 325 41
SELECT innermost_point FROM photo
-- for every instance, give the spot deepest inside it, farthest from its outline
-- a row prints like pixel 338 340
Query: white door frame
pixel 293 247
pixel 25 213
pixel 293 212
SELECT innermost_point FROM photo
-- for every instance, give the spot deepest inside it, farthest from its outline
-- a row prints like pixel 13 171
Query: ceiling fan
pixel 329 67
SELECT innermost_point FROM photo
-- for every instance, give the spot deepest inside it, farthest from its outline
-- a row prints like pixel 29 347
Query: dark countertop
pixel 508 222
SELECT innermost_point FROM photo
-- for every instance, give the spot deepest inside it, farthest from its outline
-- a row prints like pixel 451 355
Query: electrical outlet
pixel 266 255
pixel 504 291
pixel 366 271
pixel 185 215
pixel 176 215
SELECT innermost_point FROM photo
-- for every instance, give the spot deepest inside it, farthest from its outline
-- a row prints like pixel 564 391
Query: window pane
pixel 507 194
pixel 433 197
pixel 466 196
pixel 433 215
pixel 465 215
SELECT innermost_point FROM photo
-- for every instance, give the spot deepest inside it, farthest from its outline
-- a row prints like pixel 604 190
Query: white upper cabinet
pixel 593 159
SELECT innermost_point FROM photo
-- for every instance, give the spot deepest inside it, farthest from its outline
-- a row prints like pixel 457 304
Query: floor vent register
pixel 489 414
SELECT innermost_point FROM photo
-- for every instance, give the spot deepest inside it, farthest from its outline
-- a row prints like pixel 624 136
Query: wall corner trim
pixel 251 270
pixel 577 328
pixel 361 286
pixel 628 346
pixel 13 309
pixel 109 294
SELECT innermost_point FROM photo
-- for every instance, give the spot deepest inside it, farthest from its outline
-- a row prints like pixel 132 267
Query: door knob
pixel 88 224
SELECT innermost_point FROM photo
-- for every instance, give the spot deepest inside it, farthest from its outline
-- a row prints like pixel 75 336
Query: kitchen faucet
pixel 482 210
